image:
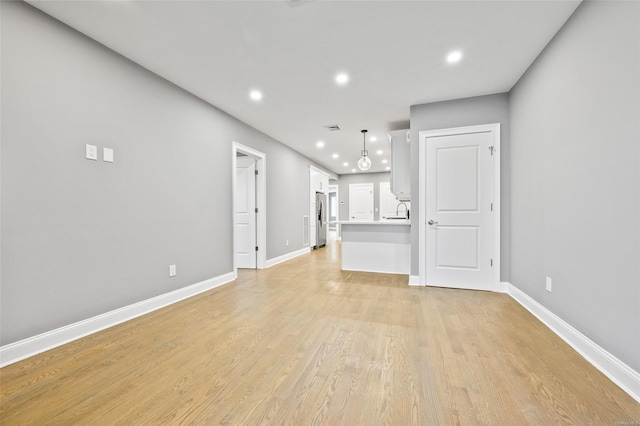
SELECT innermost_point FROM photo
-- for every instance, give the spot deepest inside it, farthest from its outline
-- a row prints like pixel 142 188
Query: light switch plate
pixel 91 152
pixel 172 270
pixel 107 155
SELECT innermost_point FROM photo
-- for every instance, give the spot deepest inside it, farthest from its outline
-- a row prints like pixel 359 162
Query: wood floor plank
pixel 306 343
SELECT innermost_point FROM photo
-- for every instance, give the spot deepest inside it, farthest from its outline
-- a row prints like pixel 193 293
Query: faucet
pixel 405 208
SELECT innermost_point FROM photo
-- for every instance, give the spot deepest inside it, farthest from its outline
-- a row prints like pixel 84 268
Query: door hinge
pixel 492 149
pixel 491 259
pixel 491 207
pixel 256 248
pixel 256 210
pixel 256 172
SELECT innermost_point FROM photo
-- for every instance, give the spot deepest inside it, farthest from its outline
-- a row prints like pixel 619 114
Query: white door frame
pixel 336 189
pixel 261 202
pixel 422 193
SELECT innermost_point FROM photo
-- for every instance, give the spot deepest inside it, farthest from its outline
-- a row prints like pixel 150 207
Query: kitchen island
pixel 380 246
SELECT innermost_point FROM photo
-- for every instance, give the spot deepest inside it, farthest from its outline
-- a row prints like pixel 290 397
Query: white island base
pixel 376 246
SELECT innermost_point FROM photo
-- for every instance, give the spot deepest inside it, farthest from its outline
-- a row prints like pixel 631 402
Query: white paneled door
pixel 245 203
pixel 459 228
pixel 361 202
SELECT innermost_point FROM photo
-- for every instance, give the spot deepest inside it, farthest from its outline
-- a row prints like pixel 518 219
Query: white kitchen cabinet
pixel 400 164
pixel 319 183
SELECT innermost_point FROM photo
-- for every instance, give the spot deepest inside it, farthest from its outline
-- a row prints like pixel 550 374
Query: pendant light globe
pixel 364 163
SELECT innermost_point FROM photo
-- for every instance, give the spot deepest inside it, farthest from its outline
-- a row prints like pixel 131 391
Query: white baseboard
pixel 414 280
pixel 31 346
pixel 272 262
pixel 620 373
pixel 504 287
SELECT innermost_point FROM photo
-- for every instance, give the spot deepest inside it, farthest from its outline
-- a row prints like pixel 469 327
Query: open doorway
pixel 333 212
pixel 249 192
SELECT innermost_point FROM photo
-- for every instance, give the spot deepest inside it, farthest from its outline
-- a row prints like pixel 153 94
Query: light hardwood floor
pixel 304 343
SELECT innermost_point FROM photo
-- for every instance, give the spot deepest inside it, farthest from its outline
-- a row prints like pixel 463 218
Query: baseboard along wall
pixel 620 373
pixel 31 346
pixel 272 262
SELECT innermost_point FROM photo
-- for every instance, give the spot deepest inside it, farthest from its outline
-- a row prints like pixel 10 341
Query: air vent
pixel 305 230
pixel 333 128
pixel 296 3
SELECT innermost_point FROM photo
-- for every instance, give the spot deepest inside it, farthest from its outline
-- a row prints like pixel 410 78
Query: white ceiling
pixel 394 52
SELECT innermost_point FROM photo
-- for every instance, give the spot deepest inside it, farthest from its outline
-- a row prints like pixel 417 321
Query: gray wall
pixel 459 113
pixel 343 190
pixel 575 185
pixel 81 237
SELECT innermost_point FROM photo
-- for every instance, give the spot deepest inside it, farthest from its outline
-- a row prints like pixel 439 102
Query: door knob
pixel 432 222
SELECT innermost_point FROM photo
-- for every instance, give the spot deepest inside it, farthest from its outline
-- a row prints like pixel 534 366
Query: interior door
pixel 361 202
pixel 245 203
pixel 459 210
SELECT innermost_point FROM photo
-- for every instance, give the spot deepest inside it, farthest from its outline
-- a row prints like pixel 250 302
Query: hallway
pixel 305 343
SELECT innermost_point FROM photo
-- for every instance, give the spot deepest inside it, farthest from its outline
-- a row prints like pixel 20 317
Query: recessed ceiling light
pixel 379 152
pixel 342 78
pixel 256 95
pixel 319 144
pixel 387 168
pixel 454 56
pixel 384 161
pixel 335 155
pixel 353 170
pixel 373 139
pixel 345 164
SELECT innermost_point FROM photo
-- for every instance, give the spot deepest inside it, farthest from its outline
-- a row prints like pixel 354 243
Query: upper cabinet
pixel 400 164
pixel 319 182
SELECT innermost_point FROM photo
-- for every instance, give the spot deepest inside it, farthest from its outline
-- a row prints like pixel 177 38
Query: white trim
pixel 422 192
pixel 316 169
pixel 31 346
pixel 504 287
pixel 620 373
pixel 414 280
pixel 261 202
pixel 323 172
pixel 285 257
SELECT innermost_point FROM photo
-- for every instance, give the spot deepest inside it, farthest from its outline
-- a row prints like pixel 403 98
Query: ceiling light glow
pixel 373 139
pixel 379 152
pixel 454 56
pixel 387 168
pixel 345 164
pixel 342 78
pixel 320 144
pixel 335 155
pixel 384 161
pixel 256 95
pixel 353 170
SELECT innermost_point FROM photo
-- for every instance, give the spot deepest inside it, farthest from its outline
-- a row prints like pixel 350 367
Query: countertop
pixel 406 222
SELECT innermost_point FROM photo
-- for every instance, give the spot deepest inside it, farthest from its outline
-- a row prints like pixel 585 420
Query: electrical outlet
pixel 548 284
pixel 91 152
pixel 172 270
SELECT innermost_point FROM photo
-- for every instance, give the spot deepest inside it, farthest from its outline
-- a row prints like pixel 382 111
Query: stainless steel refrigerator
pixel 321 220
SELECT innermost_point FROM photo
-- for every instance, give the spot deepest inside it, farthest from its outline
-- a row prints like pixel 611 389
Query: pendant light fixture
pixel 364 163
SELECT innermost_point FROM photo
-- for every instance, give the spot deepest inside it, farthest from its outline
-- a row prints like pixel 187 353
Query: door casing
pixel 422 192
pixel 261 202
